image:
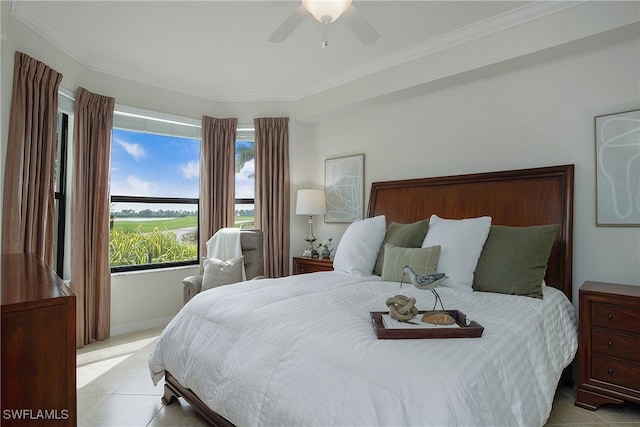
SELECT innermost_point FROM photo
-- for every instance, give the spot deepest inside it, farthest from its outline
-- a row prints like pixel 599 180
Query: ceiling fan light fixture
pixel 326 11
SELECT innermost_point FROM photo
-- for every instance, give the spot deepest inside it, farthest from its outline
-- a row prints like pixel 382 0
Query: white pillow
pixel 357 251
pixel 461 242
pixel 218 272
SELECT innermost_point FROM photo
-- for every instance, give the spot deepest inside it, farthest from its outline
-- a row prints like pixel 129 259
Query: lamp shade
pixel 311 202
pixel 332 9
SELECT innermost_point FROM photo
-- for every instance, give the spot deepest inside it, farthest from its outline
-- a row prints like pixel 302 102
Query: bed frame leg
pixel 170 395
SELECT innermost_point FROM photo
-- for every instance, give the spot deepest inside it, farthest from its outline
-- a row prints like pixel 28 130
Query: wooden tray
pixel 467 329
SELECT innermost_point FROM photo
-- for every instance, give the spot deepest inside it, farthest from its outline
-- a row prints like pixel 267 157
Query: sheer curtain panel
pixel 90 271
pixel 217 176
pixel 28 205
pixel 272 199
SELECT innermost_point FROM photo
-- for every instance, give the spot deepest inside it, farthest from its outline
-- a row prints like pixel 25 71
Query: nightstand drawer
pixel 615 317
pixel 616 345
pixel 623 374
pixel 302 265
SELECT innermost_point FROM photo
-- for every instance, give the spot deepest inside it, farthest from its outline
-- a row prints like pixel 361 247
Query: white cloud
pixel 139 186
pixel 135 150
pixel 191 170
pixel 245 180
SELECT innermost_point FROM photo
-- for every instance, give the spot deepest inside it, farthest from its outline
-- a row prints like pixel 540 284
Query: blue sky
pixel 144 164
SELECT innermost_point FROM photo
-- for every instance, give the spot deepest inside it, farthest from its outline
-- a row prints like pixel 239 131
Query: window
pixel 155 181
pixel 245 180
pixel 60 185
pixel 155 171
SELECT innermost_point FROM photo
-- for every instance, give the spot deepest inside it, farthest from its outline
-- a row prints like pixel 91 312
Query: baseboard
pixel 140 326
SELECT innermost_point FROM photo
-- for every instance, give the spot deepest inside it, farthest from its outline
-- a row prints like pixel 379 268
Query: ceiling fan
pixel 327 11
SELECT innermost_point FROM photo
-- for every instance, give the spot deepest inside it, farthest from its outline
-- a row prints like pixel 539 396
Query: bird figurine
pixel 427 282
pixel 430 282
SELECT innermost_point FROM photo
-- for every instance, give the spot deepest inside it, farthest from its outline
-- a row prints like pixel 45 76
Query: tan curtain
pixel 217 176
pixel 90 272
pixel 28 205
pixel 272 192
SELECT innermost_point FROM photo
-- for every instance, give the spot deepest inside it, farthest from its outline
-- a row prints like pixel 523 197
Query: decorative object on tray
pixel 324 249
pixel 402 308
pixel 430 282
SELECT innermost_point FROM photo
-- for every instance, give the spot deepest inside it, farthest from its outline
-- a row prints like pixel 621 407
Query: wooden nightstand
pixel 303 265
pixel 609 344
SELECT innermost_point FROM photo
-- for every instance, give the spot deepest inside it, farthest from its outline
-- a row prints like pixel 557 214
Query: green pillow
pixel 402 235
pixel 421 260
pixel 514 260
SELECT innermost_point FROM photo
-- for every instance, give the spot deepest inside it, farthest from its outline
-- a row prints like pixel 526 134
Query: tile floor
pixel 115 389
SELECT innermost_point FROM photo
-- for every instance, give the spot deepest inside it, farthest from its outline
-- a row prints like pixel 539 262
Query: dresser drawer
pixel 610 371
pixel 615 317
pixel 616 345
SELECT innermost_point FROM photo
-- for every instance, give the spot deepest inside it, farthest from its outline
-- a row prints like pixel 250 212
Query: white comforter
pixel 302 351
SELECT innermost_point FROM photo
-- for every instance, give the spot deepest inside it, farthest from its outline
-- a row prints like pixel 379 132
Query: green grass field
pixel 147 226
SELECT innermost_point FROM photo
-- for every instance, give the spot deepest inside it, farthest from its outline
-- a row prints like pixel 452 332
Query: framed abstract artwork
pixel 618 169
pixel 344 187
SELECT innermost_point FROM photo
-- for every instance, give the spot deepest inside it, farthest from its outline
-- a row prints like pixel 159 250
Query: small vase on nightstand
pixel 324 249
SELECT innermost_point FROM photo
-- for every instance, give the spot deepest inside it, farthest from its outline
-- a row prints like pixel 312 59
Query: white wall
pixel 145 299
pixel 542 115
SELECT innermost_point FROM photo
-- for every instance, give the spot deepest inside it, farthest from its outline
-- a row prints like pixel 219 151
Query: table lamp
pixel 310 202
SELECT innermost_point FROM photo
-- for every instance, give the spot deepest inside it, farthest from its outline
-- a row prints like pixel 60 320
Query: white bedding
pixel 301 351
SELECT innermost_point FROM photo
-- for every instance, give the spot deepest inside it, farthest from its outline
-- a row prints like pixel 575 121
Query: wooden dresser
pixel 38 345
pixel 609 345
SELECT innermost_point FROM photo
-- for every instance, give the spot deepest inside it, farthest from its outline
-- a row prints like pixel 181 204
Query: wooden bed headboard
pixel 515 198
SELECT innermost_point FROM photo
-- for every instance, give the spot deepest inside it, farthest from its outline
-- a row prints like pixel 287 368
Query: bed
pixel 302 350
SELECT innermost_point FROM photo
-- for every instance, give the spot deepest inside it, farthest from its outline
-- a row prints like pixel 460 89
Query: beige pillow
pixel 421 260
pixel 218 272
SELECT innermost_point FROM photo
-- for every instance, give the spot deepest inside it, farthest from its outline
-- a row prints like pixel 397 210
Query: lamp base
pixel 310 252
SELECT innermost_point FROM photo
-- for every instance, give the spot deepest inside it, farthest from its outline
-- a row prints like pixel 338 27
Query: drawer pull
pixel 610 371
pixel 610 344
pixel 610 316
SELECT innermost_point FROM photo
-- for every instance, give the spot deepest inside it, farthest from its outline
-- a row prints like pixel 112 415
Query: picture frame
pixel 344 188
pixel 617 143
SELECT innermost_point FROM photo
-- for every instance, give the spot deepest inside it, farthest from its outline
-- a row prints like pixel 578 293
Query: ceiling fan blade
pixel 290 24
pixel 360 26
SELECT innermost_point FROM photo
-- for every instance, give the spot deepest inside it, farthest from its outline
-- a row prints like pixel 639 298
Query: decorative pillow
pixel 218 272
pixel 402 235
pixel 358 248
pixel 461 242
pixel 421 260
pixel 514 260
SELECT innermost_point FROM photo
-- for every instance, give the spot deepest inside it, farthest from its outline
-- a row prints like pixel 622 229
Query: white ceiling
pixel 219 49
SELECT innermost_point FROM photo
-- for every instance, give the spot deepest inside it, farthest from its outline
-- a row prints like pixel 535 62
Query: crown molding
pixel 40 27
pixel 504 21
